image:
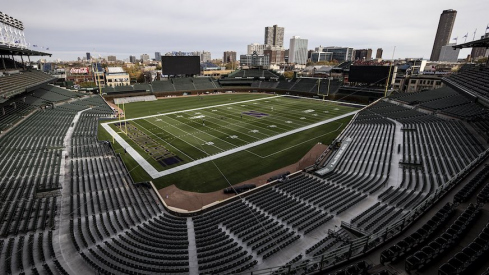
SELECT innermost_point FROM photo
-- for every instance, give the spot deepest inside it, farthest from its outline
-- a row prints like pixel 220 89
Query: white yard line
pixel 156 174
pixel 297 144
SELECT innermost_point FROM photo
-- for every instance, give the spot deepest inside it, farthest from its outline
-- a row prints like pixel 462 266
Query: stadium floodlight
pixel 11 32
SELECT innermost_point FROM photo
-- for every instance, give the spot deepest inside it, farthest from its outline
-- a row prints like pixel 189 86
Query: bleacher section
pixel 10 64
pixel 12 84
pixel 445 101
pixel 202 83
pixel 253 74
pixel 170 85
pixel 303 85
pixel 183 84
pixel 163 86
pixel 19 106
pixel 473 80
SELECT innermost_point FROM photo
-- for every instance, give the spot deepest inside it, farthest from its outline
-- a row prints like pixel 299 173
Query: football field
pixel 213 127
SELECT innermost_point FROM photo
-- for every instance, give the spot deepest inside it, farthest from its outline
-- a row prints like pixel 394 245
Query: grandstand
pixel 402 189
pixel 171 85
pixel 16 77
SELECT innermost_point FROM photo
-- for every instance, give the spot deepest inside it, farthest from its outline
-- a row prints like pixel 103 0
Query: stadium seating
pixel 115 225
pixel 203 83
pixel 253 74
pixel 163 86
pixel 13 84
pixel 446 101
pixel 183 84
pixel 473 80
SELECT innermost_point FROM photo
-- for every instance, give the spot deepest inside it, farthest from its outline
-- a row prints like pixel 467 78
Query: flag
pixel 35 46
pixel 487 28
pixel 465 36
pixel 456 38
pixel 47 49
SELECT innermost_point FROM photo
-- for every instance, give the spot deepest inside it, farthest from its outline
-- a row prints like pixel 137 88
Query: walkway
pixel 70 259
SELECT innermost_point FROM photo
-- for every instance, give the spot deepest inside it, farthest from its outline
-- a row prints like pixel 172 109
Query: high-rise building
pixel 449 54
pixel 443 33
pixel 321 56
pixel 478 52
pixel 89 56
pixel 255 47
pixel 340 54
pixel 132 59
pixel 254 60
pixel 111 58
pixel 363 54
pixel 157 56
pixel 379 53
pixel 274 36
pixel 276 55
pixel 205 56
pixel 298 50
pixel 144 57
pixel 229 56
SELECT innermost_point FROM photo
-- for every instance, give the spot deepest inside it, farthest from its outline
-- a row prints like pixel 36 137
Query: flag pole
pixel 125 121
pixel 390 70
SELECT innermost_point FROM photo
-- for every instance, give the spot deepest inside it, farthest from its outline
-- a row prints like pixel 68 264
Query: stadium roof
pixel 10 50
pixel 484 42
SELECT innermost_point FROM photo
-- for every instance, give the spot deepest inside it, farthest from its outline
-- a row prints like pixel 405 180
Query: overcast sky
pixel 123 28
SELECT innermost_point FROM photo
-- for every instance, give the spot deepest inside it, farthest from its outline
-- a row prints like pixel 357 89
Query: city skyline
pixel 69 33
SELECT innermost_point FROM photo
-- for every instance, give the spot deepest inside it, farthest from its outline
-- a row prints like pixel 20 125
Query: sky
pixel 122 28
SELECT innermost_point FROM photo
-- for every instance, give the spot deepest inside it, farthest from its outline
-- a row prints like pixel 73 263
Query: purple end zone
pixel 255 114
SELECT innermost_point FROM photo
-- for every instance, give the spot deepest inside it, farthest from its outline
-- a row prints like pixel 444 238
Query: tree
pixel 88 85
pixel 231 65
pixel 482 60
pixel 323 63
pixel 289 74
pixel 135 72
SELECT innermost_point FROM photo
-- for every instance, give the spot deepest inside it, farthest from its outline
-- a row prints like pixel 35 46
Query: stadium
pixel 399 183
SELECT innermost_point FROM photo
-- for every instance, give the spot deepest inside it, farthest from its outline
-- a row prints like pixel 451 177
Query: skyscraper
pixel 298 50
pixel 379 53
pixel 89 56
pixel 157 56
pixel 274 36
pixel 144 57
pixel 363 54
pixel 255 47
pixel 443 33
pixel 229 56
pixel 205 56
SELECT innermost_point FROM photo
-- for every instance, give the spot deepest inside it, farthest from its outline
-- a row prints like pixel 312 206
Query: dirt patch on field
pixel 193 201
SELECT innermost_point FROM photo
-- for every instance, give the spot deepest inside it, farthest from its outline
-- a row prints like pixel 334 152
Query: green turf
pixel 170 104
pixel 189 138
pixel 244 165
